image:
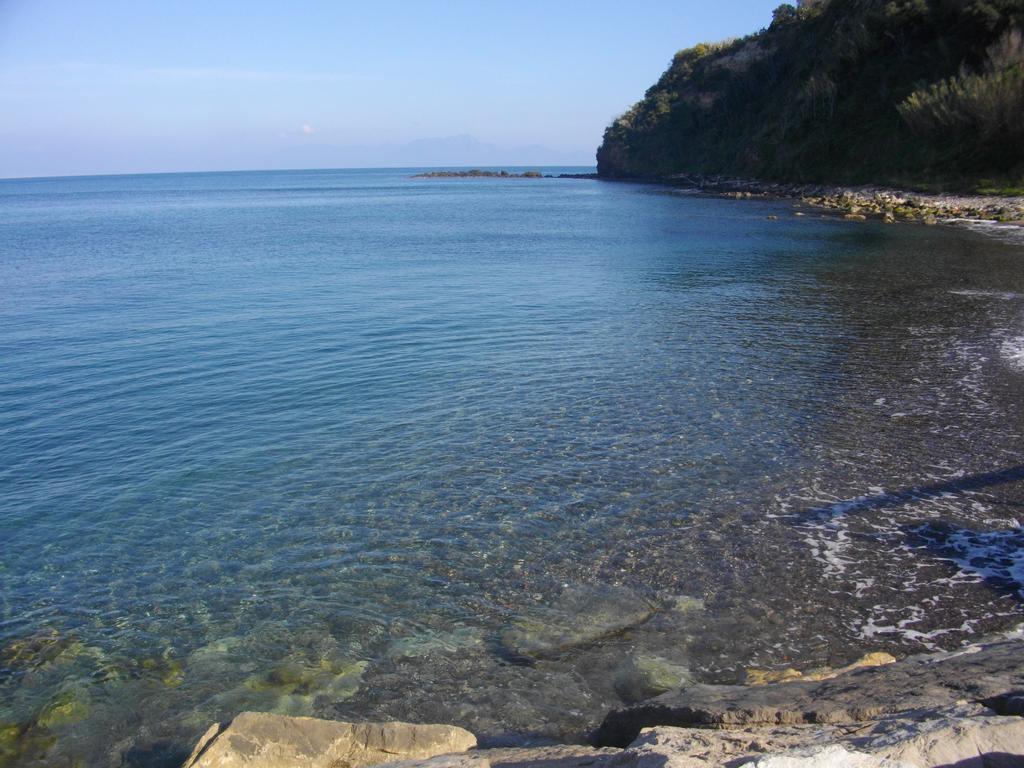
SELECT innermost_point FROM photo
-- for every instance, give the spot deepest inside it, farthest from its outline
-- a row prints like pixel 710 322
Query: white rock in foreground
pixel 832 756
pixel 982 741
pixel 964 735
pixel 258 740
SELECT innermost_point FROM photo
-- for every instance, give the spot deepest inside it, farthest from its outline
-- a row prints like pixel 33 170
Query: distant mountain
pixel 926 92
pixel 444 151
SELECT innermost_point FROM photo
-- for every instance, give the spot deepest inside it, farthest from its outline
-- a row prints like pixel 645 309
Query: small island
pixel 478 174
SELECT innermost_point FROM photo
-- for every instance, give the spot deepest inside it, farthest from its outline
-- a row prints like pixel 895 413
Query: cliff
pixel 903 92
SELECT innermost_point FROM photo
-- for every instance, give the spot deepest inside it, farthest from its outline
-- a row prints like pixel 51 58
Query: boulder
pixel 260 740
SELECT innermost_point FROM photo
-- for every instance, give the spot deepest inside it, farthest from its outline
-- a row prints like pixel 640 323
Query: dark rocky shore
pixel 855 203
pixel 890 205
pixel 866 202
pixel 963 708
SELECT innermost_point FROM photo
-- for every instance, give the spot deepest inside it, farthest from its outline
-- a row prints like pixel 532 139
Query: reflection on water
pixel 322 443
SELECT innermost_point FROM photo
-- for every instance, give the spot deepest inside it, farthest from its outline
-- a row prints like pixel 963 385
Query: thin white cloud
pixel 308 129
pixel 75 83
pixel 62 70
pixel 239 75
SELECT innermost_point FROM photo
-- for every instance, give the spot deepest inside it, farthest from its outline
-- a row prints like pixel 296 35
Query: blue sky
pixel 119 86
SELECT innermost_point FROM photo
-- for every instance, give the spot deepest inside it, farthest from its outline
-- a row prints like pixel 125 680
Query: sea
pixel 498 452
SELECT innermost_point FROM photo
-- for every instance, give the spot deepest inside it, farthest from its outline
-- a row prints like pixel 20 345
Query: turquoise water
pixel 308 441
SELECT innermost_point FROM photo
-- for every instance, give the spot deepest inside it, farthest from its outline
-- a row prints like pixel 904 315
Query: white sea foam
pixel 1001 295
pixel 1010 233
pixel 995 556
pixel 1013 352
pixel 900 623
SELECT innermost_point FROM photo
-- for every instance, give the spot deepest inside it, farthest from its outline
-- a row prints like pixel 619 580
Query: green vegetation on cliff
pixel 846 91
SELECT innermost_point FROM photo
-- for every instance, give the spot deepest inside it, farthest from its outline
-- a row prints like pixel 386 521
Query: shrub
pixel 988 105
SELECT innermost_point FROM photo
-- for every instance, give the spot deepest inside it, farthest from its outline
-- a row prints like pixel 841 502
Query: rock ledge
pixel 959 709
pixel 258 740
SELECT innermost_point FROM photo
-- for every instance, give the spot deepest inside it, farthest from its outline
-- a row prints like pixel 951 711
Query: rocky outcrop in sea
pixel 476 173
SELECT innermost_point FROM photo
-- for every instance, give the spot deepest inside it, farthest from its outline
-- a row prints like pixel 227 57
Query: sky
pixel 138 86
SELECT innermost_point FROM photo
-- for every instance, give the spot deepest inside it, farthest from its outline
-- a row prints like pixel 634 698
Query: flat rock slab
pixel 668 747
pixel 833 756
pixel 966 735
pixel 579 616
pixel 928 739
pixel 259 740
pixel 457 760
pixel 554 756
pixel 963 735
pixel 974 674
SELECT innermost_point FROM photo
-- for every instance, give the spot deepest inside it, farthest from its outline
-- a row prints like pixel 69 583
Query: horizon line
pixel 292 170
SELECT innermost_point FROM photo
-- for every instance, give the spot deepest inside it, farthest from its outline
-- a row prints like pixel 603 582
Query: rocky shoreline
pixel 855 203
pixel 864 202
pixel 889 205
pixel 963 708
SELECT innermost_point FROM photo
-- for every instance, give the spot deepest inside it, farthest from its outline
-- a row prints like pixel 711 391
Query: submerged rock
pixel 43 649
pixel 431 644
pixel 169 671
pixel 326 676
pixel 69 706
pixel 22 743
pixel 685 604
pixel 643 676
pixel 755 676
pixel 294 687
pixel 580 615
pixel 257 740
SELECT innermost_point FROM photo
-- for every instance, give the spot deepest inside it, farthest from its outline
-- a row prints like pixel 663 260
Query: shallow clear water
pixel 312 441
